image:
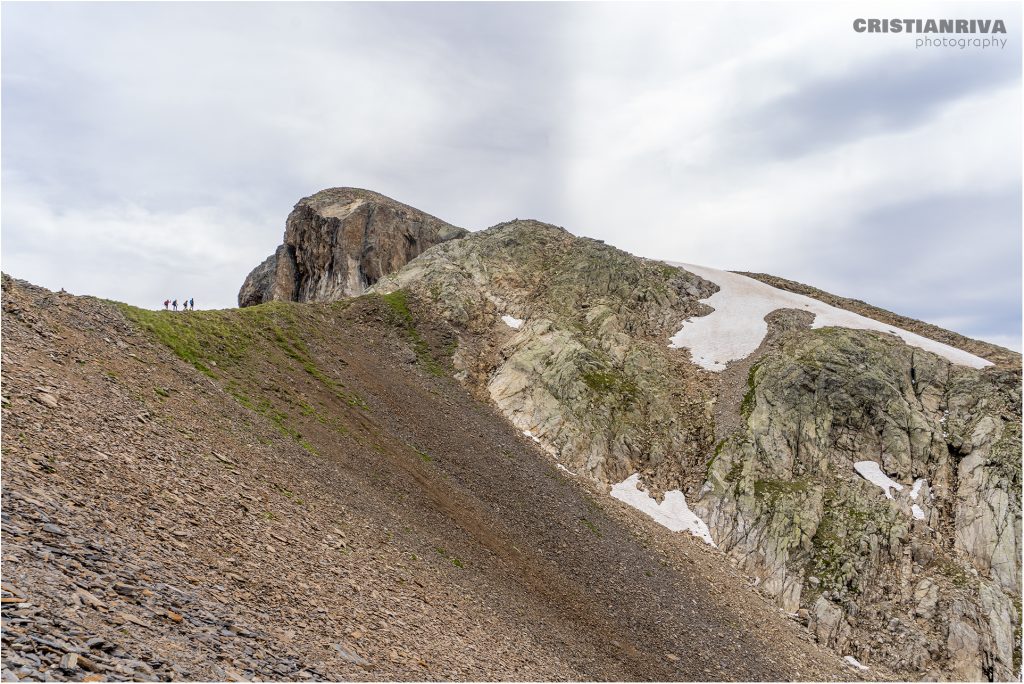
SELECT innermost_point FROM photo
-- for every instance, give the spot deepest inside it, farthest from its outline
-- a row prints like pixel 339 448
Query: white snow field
pixel 512 322
pixel 872 472
pixel 672 512
pixel 735 328
pixel 532 436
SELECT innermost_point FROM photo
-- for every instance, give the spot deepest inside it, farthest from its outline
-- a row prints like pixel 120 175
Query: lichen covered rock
pixel 589 372
pixel 785 500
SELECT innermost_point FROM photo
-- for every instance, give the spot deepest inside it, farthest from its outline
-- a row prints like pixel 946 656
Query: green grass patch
pixel 308 447
pixel 401 317
pixel 604 380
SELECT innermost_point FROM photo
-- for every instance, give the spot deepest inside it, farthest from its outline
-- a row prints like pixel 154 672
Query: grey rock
pixel 589 376
pixel 340 241
pixel 926 596
pixel 828 625
pixel 349 656
pixel 46 399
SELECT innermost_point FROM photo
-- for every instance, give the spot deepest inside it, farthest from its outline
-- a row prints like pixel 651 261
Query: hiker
pixel 192 304
pixel 175 304
pixel 167 304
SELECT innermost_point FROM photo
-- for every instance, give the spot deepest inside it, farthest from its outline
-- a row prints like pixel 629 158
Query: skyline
pixel 153 151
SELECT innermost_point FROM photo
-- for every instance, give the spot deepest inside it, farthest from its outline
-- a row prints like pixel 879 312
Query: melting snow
pixel 532 436
pixel 915 492
pixel 562 467
pixel 736 327
pixel 872 472
pixel 515 323
pixel 673 512
pixel 853 662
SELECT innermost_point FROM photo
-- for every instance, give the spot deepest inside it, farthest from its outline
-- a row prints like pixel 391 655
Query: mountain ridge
pixel 525 339
pixel 257 497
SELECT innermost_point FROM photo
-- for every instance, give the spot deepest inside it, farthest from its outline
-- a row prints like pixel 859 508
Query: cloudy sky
pixel 153 150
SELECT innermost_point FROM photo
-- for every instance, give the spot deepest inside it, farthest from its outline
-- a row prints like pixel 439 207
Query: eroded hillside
pixel 301 491
pixel 768 444
pixel 468 429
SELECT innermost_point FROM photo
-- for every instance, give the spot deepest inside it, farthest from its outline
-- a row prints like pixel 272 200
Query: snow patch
pixel 736 327
pixel 918 513
pixel 532 436
pixel 672 512
pixel 562 467
pixel 872 472
pixel 916 491
pixel 512 322
pixel 853 662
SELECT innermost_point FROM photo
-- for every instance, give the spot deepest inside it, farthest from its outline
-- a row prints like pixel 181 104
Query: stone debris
pixel 127 554
pixel 766 449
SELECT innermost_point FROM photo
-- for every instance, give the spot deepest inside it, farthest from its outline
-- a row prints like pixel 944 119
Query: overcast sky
pixel 153 151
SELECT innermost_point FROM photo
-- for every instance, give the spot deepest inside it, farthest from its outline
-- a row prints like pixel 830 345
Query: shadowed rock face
pixel 340 241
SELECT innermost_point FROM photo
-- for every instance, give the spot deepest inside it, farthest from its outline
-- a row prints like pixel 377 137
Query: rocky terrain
pixel 927 583
pixel 340 241
pixel 986 350
pixel 395 463
pixel 302 491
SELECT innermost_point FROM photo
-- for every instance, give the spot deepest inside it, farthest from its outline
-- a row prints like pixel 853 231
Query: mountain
pixel 302 491
pixel 340 241
pixel 512 453
pixel 763 414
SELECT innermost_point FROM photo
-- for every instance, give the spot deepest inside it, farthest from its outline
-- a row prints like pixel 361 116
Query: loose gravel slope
pixel 302 492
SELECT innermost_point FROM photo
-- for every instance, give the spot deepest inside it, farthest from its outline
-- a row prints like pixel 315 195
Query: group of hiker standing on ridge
pixel 186 305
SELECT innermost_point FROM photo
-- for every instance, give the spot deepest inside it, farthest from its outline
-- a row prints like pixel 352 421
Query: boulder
pixel 339 242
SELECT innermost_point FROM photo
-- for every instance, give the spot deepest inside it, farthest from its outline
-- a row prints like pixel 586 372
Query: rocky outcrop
pixel 884 579
pixel 340 241
pixel 568 337
pixel 587 371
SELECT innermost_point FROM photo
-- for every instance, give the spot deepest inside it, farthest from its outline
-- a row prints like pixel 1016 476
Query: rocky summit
pixel 340 241
pixel 422 453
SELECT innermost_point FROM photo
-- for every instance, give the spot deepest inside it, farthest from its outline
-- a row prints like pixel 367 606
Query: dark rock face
pixel 339 242
pixel 259 286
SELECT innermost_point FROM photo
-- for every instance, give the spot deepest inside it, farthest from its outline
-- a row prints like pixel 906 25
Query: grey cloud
pixel 931 256
pixel 875 98
pixel 135 131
